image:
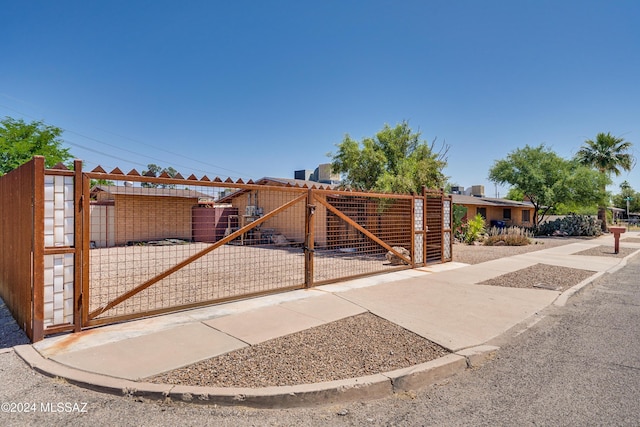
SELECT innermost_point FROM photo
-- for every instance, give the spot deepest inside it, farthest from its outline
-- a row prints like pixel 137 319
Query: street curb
pixel 623 263
pixel 304 395
pixel 90 380
pixel 562 299
pixel 477 356
pixel 418 376
pixel 331 392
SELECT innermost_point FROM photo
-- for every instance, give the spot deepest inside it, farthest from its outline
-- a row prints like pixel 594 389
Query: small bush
pixel 473 229
pixel 571 225
pixel 512 236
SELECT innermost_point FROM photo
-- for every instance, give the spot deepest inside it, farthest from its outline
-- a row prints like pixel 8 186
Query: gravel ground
pixel 542 276
pixel 227 272
pixel 472 254
pixel 607 251
pixel 356 346
pixel 10 333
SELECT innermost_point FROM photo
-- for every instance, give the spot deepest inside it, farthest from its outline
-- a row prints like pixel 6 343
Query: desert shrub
pixel 473 229
pixel 459 212
pixel 571 225
pixel 512 236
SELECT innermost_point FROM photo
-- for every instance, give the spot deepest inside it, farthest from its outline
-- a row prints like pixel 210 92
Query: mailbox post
pixel 617 231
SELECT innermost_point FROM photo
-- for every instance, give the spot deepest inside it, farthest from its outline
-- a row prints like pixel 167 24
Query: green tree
pixel 20 141
pixel 394 160
pixel 608 155
pixel 625 188
pixel 104 182
pixel 627 192
pixel 515 194
pixel 155 170
pixel 546 179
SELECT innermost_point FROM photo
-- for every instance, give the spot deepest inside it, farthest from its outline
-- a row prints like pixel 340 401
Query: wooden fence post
pixel 37 250
pixel 79 213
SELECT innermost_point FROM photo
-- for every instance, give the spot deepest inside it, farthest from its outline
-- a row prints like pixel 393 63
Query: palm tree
pixel 609 155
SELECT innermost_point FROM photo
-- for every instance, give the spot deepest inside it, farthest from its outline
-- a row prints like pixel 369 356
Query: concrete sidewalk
pixel 441 303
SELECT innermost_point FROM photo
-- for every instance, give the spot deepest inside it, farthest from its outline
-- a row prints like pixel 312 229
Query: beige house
pixel 124 214
pixel 330 232
pixel 497 211
pixel 251 204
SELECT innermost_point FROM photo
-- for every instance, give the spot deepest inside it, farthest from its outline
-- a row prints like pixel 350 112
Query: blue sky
pixel 262 88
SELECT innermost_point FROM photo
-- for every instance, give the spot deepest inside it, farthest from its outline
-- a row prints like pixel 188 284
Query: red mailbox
pixel 617 231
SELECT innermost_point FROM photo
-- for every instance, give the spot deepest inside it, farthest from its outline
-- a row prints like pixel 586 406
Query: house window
pixel 506 214
pixel 482 212
pixel 526 215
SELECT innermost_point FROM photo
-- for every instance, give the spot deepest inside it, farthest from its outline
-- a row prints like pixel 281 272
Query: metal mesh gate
pixel 353 234
pixel 160 244
pixel 108 247
pixel 174 248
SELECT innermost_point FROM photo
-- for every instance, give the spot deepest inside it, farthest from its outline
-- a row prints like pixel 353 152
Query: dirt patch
pixel 607 251
pixel 356 346
pixel 541 276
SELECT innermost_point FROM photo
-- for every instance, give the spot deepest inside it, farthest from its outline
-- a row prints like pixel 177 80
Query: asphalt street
pixel 576 365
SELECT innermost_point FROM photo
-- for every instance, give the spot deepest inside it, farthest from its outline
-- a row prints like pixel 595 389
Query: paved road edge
pixel 332 392
pixel 562 299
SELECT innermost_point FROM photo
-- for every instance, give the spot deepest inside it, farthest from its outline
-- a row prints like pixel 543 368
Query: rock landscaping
pixel 356 346
pixel 541 276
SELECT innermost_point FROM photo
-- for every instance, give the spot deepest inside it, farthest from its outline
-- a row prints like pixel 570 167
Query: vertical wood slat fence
pixel 88 256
